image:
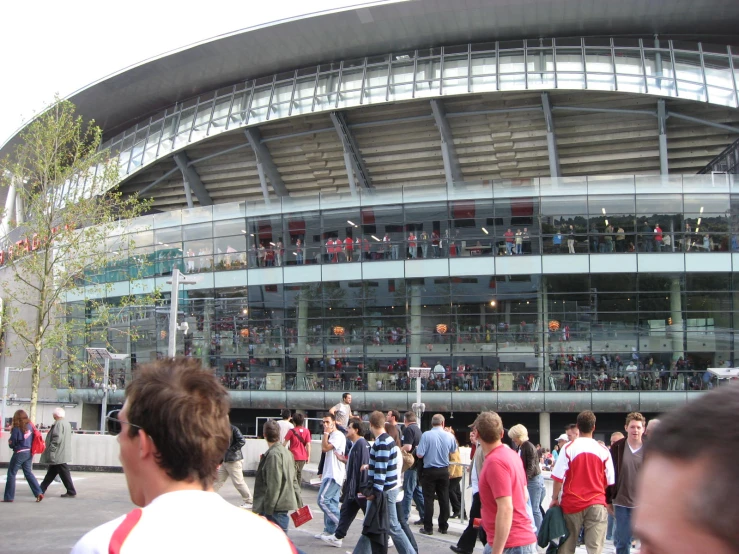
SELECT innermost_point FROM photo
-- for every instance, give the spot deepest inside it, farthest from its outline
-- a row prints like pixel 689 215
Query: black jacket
pixel 530 460
pixel 377 523
pixel 233 454
pixel 356 480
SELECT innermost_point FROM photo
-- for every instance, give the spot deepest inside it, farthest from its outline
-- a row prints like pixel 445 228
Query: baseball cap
pixel 563 437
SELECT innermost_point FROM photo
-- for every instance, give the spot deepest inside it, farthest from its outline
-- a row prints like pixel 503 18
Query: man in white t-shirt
pixel 285 424
pixel 334 471
pixel 342 412
pixel 178 510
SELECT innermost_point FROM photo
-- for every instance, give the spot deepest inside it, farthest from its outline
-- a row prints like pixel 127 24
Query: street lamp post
pixel 419 373
pixel 177 280
pixel 102 355
pixel 4 399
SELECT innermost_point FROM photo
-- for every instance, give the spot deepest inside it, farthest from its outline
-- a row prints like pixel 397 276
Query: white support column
pixel 545 430
pixel 9 209
pixel 554 169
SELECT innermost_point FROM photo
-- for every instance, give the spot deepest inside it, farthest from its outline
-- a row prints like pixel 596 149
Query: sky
pixel 57 47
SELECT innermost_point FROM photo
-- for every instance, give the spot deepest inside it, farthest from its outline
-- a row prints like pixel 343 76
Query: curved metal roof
pixel 382 27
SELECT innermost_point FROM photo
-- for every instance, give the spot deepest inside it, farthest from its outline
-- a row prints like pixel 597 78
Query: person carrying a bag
pixel 21 439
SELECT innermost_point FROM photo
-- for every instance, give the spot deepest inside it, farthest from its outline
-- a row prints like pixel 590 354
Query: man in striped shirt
pixel 384 477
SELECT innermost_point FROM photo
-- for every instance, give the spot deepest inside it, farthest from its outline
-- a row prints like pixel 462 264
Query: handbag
pixel 38 446
pixel 301 516
pixel 408 460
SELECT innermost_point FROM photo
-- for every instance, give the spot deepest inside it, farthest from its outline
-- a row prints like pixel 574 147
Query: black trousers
pixel 404 525
pixel 435 482
pixel 63 471
pixel 455 494
pixel 347 514
pixel 470 535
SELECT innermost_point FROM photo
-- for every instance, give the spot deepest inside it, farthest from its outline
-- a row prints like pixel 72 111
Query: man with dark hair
pixel 285 424
pixel 572 431
pixel 686 498
pixel 357 480
pixel 333 444
pixel 503 492
pixel 411 487
pixel 627 455
pixel 172 432
pixel 232 466
pixel 392 417
pixel 434 449
pixel 342 412
pixel 297 441
pixel 276 491
pixel 583 471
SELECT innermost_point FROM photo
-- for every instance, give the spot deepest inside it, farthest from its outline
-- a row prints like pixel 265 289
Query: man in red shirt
pixel 508 242
pixel 348 248
pixel 503 493
pixel 582 472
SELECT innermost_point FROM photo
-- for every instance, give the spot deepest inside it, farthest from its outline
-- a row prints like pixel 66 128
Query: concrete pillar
pixel 415 311
pixel 676 312
pixel 302 334
pixel 545 430
pixel 20 209
pixel 9 208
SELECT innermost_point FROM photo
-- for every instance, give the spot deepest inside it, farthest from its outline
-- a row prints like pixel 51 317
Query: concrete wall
pixel 101 451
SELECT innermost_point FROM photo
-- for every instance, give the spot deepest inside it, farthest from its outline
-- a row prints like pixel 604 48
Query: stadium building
pixel 535 200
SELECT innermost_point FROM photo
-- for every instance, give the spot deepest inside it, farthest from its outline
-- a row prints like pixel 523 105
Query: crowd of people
pixel 177 446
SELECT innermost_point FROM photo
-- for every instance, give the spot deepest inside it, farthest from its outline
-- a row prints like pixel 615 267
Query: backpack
pixel 37 445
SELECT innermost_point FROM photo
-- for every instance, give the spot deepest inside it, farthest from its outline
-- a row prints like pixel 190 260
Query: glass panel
pixel 281 100
pixel 375 86
pixel 427 78
pixel 351 86
pixel 328 84
pixel 259 105
pixel 401 81
pixel 512 62
pixel 238 110
pixel 304 96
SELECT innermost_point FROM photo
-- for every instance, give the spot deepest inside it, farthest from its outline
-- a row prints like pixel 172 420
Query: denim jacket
pixel 20 441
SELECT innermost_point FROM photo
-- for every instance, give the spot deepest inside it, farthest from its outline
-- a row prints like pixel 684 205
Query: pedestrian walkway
pixel 104 496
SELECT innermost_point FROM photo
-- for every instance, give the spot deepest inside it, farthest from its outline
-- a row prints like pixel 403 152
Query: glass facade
pixel 578 215
pixel 582 332
pixel 346 293
pixel 679 69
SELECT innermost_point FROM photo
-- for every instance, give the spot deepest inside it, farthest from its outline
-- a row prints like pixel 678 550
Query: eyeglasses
pixel 114 425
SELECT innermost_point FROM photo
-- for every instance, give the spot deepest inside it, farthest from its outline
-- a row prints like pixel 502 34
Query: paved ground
pixel 54 525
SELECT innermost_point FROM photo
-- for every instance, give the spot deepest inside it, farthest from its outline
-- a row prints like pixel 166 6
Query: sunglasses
pixel 114 425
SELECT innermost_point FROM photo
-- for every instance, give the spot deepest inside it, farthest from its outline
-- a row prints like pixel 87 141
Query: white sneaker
pixel 247 505
pixel 321 535
pixel 332 540
pixel 390 543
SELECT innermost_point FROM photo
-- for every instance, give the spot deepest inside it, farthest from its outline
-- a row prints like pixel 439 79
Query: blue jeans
pixel 536 495
pixel 280 518
pixel 328 501
pixel 402 544
pixel 622 533
pixel 611 529
pixel 528 549
pixel 411 491
pixel 508 247
pixel 20 460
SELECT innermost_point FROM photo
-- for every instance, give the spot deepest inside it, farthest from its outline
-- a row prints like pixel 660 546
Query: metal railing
pixel 726 162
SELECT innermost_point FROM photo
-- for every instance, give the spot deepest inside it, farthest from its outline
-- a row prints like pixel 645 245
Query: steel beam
pixel 192 180
pixel 452 170
pixel 692 119
pixel 662 127
pixel 265 165
pixel 355 168
pixel 554 169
